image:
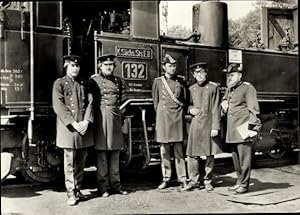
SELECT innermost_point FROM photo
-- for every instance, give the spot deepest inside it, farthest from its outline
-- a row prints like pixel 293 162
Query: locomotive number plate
pixel 134 70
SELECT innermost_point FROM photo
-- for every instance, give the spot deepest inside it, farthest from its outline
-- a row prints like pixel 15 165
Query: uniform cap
pixel 108 57
pixel 198 66
pixel 168 59
pixel 74 58
pixel 234 67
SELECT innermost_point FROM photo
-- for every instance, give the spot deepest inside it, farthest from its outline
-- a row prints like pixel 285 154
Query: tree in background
pixel 179 31
pixel 243 32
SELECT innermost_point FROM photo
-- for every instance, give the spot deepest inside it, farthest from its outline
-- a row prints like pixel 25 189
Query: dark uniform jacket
pixel 242 107
pixel 205 97
pixel 72 102
pixel 169 114
pixel 107 93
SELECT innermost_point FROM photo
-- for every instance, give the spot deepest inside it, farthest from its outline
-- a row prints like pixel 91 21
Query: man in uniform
pixel 73 106
pixel 205 126
pixel 168 97
pixel 241 106
pixel 107 91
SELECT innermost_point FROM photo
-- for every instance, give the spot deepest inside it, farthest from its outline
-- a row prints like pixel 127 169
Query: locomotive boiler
pixel 34 36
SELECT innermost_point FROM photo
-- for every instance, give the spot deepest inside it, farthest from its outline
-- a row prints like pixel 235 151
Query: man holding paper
pixel 241 107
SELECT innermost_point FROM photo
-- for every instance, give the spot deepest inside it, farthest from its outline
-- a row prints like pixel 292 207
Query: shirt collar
pixel 203 83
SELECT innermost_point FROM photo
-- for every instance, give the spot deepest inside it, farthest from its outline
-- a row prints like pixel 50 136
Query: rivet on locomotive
pixel 34 36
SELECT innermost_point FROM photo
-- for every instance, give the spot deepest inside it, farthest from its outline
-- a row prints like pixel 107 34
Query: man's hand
pixel 224 105
pixel 75 125
pixel 194 111
pixel 83 125
pixel 214 133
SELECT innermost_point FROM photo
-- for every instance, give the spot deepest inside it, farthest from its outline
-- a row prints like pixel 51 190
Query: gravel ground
pixel 144 198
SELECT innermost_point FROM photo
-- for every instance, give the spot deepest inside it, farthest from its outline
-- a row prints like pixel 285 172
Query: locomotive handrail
pixel 146 138
pixel 271 100
pixel 147 100
pixel 8 116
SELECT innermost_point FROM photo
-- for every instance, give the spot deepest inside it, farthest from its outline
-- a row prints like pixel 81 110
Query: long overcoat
pixel 107 93
pixel 169 115
pixel 205 97
pixel 243 107
pixel 72 102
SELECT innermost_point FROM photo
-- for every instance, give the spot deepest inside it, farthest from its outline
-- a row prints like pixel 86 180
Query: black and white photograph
pixel 149 107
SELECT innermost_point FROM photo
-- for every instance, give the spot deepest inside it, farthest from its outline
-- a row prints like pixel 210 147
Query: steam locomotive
pixel 34 37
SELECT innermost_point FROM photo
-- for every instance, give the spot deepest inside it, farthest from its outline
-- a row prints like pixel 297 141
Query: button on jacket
pixel 205 97
pixel 242 107
pixel 107 93
pixel 72 102
pixel 169 114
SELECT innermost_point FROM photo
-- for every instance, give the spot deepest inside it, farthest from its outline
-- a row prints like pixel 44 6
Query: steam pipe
pixel 195 35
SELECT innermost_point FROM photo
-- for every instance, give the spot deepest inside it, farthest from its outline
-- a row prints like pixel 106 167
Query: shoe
pixel 80 196
pixel 72 200
pixel 122 192
pixel 163 185
pixel 233 188
pixel 105 194
pixel 240 190
pixel 187 187
pixel 209 187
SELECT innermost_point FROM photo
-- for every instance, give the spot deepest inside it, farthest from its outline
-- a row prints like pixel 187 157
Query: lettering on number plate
pixel 134 70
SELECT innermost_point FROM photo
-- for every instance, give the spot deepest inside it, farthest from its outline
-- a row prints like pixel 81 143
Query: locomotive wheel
pixel 45 176
pixel 50 171
pixel 278 151
pixel 136 164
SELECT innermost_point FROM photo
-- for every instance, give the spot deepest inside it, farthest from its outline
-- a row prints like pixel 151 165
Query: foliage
pixel 179 31
pixel 243 32
pixel 275 3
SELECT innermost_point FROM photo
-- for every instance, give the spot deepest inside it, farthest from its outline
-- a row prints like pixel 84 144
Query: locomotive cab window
pixel 101 16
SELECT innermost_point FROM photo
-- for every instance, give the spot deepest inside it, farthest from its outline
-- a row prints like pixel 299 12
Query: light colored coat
pixel 72 102
pixel 169 115
pixel 243 107
pixel 206 98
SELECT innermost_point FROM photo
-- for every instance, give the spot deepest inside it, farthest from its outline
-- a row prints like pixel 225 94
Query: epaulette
pixel 95 75
pixel 62 78
pixel 157 78
pixel 214 83
pixel 247 83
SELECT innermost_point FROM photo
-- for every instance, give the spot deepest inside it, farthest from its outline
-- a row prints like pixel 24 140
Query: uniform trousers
pixel 193 169
pixel 108 175
pixel 241 156
pixel 74 163
pixel 165 153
